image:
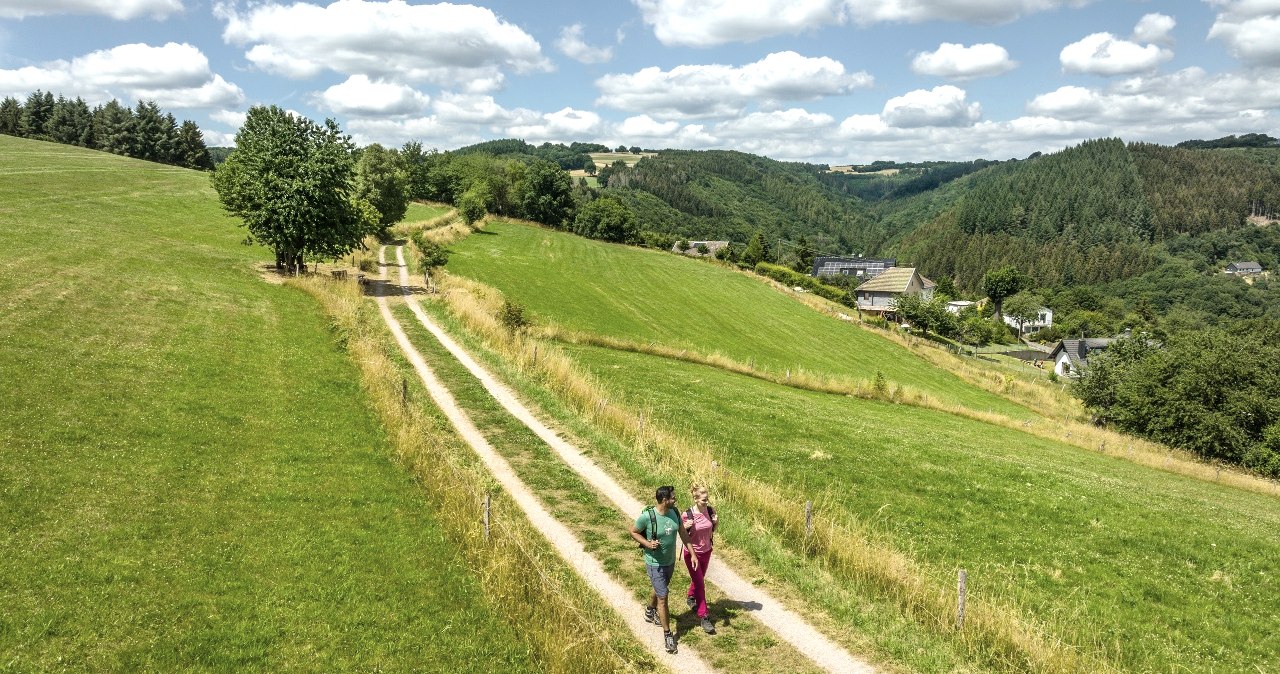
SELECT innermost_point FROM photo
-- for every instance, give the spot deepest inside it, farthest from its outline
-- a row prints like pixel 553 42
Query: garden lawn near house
pixel 190 477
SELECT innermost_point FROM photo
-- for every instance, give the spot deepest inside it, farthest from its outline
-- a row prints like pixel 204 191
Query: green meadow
pixel 1151 568
pixel 1143 569
pixel 191 478
pixel 648 296
pixel 419 213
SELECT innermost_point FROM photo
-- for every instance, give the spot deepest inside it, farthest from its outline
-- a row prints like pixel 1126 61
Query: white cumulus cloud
pixel 174 76
pixel 969 11
pixel 956 61
pixel 117 9
pixel 721 91
pixel 564 125
pixel 706 23
pixel 1154 28
pixel 940 106
pixel 1106 54
pixel 571 44
pixel 644 126
pixel 359 95
pixel 1249 29
pixel 445 44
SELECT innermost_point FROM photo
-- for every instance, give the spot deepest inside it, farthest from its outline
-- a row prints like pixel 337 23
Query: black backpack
pixel 711 515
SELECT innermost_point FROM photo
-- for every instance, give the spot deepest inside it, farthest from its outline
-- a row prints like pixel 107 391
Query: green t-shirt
pixel 665 531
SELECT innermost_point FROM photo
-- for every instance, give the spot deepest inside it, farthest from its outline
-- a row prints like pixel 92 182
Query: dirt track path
pixel 565 542
pixel 787 624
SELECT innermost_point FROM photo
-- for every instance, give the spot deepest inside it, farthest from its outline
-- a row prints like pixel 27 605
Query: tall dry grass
pixel 994 632
pixel 568 628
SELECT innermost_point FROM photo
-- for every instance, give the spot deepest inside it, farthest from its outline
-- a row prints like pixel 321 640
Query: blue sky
pixel 835 81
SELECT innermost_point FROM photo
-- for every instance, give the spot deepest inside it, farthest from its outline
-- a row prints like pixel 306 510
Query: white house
pixel 880 294
pixel 1071 356
pixel 1043 319
pixel 956 306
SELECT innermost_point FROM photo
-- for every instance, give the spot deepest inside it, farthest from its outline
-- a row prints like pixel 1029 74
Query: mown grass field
pixel 1154 569
pixel 1148 570
pixel 190 478
pixel 419 212
pixel 649 296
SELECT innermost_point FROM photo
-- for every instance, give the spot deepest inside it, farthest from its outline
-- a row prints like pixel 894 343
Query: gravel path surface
pixel 566 543
pixel 787 624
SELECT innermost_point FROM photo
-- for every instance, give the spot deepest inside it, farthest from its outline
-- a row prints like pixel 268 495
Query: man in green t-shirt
pixel 655 530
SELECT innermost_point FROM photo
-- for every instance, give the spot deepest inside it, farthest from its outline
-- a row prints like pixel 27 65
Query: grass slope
pixel 1148 570
pixel 190 478
pixel 1153 569
pixel 644 295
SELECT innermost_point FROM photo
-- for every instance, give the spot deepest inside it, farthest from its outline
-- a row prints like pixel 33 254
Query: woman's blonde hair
pixel 695 487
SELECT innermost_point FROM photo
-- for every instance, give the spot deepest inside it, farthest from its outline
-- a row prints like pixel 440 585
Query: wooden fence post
pixel 404 391
pixel 486 516
pixel 535 355
pixel 808 521
pixel 960 595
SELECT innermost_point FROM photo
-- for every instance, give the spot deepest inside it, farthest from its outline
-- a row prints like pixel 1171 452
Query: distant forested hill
pixel 719 194
pixel 1098 213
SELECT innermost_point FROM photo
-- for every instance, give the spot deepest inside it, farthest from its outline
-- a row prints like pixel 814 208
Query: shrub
pixel 793 278
pixel 512 316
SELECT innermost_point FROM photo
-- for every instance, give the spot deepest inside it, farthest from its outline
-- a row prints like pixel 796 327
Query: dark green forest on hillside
pixel 1102 212
pixel 718 194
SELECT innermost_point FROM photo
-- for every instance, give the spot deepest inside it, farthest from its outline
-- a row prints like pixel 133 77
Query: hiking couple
pixel 655 530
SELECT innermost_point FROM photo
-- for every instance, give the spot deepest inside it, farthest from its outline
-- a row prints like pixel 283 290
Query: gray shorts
pixel 660 576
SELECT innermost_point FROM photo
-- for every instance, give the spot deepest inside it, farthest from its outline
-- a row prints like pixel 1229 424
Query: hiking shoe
pixel 651 615
pixel 708 626
pixel 690 601
pixel 670 639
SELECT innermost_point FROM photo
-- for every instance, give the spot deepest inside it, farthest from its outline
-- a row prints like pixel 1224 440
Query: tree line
pixel 143 132
pixel 1212 391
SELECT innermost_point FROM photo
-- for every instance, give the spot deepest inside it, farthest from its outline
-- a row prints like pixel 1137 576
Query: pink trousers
pixel 697 588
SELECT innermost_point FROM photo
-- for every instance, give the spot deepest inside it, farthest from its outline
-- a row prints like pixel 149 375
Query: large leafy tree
pixel 1213 392
pixel 289 180
pixel 381 180
pixel 607 218
pixel 546 194
pixel 1023 307
pixel 1001 283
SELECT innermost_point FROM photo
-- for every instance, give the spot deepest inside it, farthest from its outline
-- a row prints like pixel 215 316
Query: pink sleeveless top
pixel 700 533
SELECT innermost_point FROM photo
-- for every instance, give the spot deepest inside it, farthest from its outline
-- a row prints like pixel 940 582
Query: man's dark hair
pixel 664 493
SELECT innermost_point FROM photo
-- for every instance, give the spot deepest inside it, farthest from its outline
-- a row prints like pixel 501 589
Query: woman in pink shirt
pixel 700 521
